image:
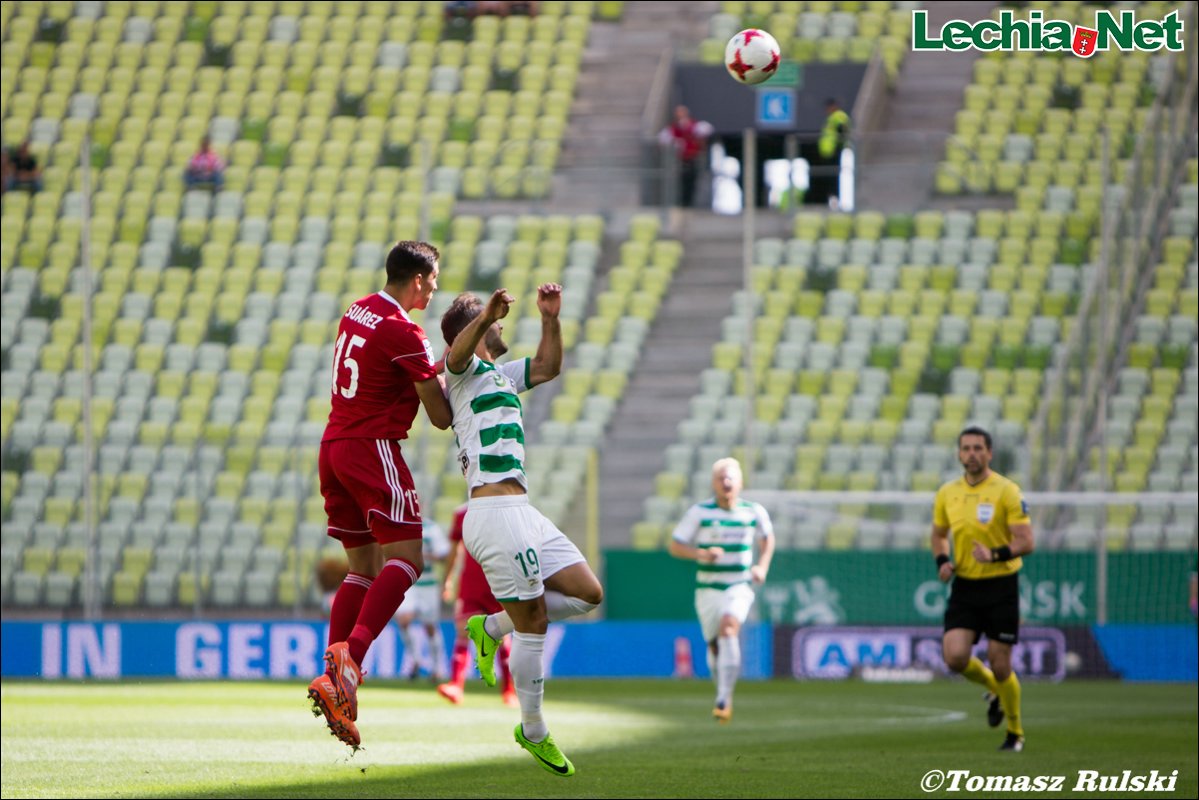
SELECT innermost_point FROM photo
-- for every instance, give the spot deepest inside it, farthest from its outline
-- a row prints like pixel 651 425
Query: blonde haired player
pixel 719 535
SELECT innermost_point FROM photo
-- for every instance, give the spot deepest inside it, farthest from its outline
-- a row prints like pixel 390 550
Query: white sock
pixel 560 606
pixel 498 625
pixel 728 666
pixel 528 675
pixel 410 661
pixel 437 655
pixel 711 662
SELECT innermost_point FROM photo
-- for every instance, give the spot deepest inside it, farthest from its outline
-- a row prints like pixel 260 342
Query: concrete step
pixel 921 115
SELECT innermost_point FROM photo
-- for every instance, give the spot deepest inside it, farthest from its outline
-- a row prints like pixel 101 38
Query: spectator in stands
pixel 205 168
pixel 834 137
pixel 689 138
pixel 6 170
pixel 526 8
pixel 21 170
pixel 500 8
pixel 467 9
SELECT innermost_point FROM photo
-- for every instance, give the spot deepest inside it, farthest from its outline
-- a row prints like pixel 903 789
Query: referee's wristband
pixel 942 559
pixel 1002 553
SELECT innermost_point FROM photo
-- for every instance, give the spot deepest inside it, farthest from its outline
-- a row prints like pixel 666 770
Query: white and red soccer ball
pixel 751 56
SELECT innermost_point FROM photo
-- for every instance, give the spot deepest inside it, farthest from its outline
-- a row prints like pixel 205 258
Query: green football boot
pixel 485 647
pixel 547 754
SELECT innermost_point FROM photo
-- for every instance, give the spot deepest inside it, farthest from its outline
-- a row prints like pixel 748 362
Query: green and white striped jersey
pixel 708 525
pixel 488 420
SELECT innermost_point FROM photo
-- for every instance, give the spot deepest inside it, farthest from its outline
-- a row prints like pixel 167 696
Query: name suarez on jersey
pixel 363 317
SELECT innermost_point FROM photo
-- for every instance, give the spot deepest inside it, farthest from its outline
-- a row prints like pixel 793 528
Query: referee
pixel 988 518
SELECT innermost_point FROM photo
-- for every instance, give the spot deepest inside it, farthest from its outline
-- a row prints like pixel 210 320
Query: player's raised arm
pixel 547 363
pixel 465 343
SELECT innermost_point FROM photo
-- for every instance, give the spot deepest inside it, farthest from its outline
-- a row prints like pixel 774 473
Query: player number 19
pixel 349 363
pixel 528 561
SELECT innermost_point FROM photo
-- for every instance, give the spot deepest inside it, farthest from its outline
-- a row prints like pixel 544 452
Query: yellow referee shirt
pixel 981 513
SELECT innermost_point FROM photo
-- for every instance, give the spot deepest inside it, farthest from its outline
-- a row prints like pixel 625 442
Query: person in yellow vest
pixel 834 137
pixel 988 518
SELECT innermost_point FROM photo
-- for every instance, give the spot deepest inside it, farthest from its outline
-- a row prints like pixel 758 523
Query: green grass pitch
pixel 627 738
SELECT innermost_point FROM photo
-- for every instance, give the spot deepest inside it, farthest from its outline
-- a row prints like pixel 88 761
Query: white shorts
pixel 712 604
pixel 516 545
pixel 423 603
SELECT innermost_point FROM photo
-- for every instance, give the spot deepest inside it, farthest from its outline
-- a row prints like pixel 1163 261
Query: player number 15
pixel 349 363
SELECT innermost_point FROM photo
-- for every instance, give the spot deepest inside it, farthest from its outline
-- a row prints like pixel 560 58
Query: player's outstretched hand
pixel 497 306
pixel 549 299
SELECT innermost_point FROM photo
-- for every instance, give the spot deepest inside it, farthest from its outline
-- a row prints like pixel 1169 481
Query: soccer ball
pixel 751 56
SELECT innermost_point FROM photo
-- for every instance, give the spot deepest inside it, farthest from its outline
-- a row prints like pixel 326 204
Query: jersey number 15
pixel 349 363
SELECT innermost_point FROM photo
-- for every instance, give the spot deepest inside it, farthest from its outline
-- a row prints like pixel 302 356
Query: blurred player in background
pixel 422 605
pixel 988 518
pixel 719 535
pixel 470 594
pixel 536 573
pixel 383 372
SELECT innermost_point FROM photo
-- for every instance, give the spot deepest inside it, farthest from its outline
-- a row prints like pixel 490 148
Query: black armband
pixel 942 559
pixel 1002 553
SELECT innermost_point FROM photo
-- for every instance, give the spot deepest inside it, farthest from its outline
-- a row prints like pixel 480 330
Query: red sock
pixel 380 604
pixel 505 651
pixel 459 661
pixel 347 604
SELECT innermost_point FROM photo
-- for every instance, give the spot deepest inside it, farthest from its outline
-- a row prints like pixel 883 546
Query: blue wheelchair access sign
pixel 776 107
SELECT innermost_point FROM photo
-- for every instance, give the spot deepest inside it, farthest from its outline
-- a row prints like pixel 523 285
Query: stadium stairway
pixel 677 351
pixel 602 148
pixel 920 115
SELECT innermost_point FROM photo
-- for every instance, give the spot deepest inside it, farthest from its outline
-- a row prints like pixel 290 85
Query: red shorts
pixel 474 593
pixel 469 605
pixel 369 493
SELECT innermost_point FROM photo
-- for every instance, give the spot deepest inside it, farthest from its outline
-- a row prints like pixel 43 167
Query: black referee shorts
pixel 990 606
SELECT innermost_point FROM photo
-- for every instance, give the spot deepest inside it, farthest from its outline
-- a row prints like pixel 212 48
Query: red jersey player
pixel 383 371
pixel 474 597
